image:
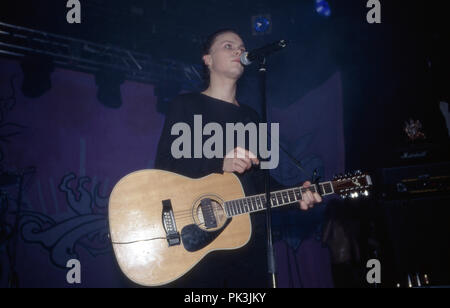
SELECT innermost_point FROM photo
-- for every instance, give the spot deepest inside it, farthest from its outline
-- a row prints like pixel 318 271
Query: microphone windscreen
pixel 244 59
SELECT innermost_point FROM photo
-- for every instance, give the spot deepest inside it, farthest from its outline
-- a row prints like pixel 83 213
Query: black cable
pixel 291 157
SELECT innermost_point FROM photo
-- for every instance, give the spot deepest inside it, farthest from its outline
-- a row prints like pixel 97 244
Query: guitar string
pixel 303 190
pixel 188 213
pixel 249 207
pixel 277 198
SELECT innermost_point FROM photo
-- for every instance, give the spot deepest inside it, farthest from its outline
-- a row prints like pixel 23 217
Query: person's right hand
pixel 239 160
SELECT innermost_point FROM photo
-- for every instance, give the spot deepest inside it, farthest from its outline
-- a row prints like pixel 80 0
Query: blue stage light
pixel 261 24
pixel 323 8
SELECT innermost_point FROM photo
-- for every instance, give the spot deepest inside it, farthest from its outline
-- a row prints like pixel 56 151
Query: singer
pixel 245 267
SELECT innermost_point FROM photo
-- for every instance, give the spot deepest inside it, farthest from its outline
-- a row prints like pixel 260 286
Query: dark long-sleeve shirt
pixel 247 266
pixel 182 110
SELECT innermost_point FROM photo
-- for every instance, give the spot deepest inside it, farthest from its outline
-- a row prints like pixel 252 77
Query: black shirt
pixel 245 267
pixel 182 109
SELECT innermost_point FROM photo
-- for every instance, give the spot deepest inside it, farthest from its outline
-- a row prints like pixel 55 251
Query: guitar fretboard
pixel 277 199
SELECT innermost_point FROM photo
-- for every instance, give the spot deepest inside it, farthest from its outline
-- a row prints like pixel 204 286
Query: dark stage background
pixel 82 105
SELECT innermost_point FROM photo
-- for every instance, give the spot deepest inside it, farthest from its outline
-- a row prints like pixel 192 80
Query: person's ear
pixel 207 60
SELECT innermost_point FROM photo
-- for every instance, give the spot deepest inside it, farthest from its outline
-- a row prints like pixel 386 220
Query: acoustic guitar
pixel 162 224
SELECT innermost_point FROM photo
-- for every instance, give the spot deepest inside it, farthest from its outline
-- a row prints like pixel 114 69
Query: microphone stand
pixel 270 251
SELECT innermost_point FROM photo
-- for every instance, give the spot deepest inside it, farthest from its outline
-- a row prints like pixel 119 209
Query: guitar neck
pixel 279 198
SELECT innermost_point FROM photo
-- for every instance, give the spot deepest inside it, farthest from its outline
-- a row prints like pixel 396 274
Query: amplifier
pixel 415 181
pixel 415 210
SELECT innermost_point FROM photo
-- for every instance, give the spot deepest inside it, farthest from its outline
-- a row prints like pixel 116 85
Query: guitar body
pixel 140 238
pixel 162 224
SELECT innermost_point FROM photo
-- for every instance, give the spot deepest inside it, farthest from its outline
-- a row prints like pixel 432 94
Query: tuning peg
pixel 366 193
pixel 358 172
pixel 354 195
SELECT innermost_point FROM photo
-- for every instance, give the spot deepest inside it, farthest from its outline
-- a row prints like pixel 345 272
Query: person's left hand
pixel 309 198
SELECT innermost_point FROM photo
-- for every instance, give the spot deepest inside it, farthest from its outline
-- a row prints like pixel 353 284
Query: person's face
pixel 224 56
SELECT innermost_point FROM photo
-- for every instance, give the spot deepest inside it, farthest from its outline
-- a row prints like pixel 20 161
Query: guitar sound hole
pixel 217 217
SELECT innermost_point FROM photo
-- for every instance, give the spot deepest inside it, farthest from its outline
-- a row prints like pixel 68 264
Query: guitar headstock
pixel 352 185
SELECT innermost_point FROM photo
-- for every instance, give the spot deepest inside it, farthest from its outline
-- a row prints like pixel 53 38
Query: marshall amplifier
pixel 414 207
pixel 415 181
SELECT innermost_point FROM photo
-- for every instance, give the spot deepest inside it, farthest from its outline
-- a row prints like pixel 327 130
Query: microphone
pixel 247 58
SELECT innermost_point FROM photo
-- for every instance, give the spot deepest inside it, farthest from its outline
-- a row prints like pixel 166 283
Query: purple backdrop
pixel 81 148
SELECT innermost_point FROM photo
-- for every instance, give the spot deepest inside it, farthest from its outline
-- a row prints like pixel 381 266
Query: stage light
pixel 261 24
pixel 322 8
pixel 108 88
pixel 36 75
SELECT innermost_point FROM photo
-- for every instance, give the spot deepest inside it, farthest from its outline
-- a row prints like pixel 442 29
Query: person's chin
pixel 238 71
pixel 234 73
pixel 236 76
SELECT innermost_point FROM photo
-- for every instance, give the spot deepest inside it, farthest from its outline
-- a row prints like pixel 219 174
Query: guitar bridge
pixel 168 219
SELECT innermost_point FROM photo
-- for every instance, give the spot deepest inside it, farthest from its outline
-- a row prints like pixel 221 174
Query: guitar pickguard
pixel 194 238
